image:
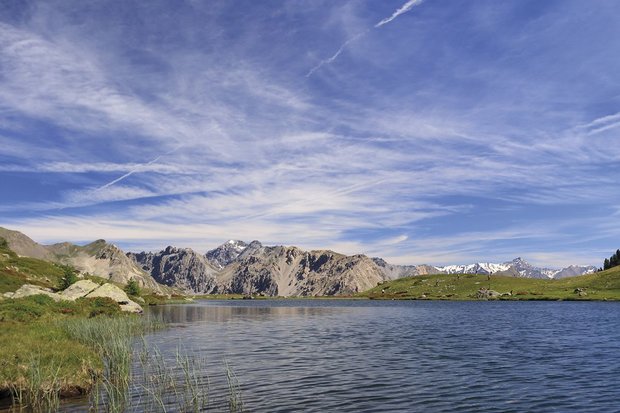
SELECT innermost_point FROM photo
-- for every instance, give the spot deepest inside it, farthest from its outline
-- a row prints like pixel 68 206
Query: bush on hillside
pixel 68 277
pixel 132 287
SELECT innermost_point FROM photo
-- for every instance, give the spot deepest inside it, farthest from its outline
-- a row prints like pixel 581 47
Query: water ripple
pixel 355 356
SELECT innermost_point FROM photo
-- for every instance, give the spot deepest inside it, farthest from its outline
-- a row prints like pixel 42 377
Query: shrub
pixel 132 287
pixel 68 278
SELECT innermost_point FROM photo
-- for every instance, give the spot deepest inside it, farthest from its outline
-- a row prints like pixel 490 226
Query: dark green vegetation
pixel 132 288
pixel 612 261
pixel 603 285
pixel 68 277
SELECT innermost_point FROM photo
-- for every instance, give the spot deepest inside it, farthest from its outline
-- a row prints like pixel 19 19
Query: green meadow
pixel 604 285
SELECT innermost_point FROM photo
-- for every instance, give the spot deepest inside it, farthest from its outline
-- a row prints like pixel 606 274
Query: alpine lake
pixel 397 356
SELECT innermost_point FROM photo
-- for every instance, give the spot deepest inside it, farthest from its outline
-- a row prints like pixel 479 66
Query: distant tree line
pixel 612 261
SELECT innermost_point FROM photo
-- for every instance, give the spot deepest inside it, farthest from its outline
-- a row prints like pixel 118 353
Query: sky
pixel 438 131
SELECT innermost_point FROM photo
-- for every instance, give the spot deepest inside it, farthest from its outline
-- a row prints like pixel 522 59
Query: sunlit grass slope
pixel 603 285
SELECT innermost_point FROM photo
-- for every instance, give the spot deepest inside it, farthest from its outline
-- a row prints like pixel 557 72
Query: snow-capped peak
pixel 226 253
pixel 517 267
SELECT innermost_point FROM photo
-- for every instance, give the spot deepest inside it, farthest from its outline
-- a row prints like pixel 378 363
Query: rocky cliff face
pixel 226 253
pixel 179 267
pixel 290 271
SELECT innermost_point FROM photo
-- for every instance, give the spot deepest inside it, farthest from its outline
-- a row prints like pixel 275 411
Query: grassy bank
pixel 38 353
pixel 50 350
pixel 603 285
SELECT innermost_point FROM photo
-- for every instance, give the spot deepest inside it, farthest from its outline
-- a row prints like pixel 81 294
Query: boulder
pixel 27 290
pixel 78 290
pixel 118 295
pixel 485 294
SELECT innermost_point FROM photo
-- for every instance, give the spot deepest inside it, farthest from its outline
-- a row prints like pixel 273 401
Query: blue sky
pixel 437 131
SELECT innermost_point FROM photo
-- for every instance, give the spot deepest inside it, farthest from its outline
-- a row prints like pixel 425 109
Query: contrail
pixel 331 59
pixel 402 10
pixel 134 170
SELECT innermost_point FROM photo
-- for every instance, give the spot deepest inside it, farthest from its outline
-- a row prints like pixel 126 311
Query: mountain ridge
pixel 98 258
pixel 252 268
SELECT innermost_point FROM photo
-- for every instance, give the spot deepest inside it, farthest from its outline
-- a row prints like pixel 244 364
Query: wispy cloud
pixel 425 149
pixel 601 124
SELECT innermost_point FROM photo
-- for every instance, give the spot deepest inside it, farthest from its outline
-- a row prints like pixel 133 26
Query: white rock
pixel 118 295
pixel 78 290
pixel 27 290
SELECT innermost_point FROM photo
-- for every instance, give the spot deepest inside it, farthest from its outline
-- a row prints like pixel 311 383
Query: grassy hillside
pixel 16 271
pixel 603 285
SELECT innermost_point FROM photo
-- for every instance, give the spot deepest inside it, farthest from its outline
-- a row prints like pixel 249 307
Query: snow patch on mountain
pixel 226 253
pixel 518 268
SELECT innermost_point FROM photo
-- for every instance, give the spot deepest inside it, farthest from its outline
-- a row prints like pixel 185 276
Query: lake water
pixel 405 356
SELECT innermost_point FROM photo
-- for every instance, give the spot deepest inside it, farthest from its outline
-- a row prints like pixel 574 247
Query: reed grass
pixel 179 384
pixel 133 377
pixel 40 389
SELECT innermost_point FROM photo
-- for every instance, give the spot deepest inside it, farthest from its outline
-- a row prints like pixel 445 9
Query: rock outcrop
pixel 118 295
pixel 179 267
pixel 485 294
pixel 83 288
pixel 27 290
pixel 78 289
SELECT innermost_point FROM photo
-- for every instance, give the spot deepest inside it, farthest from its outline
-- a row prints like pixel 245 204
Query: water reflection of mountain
pixel 190 313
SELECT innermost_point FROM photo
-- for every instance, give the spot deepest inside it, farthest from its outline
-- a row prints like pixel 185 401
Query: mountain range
pixel 251 268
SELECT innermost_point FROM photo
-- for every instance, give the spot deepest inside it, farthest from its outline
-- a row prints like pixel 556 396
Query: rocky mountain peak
pixel 23 245
pixel 252 248
pixel 226 253
pixel 180 267
pixel 380 261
